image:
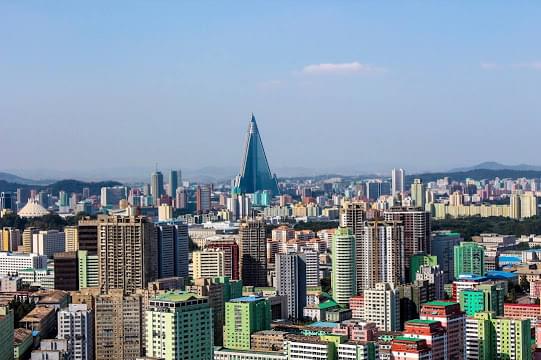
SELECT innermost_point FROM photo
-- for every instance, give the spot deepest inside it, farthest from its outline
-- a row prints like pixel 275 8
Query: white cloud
pixel 534 65
pixel 490 66
pixel 341 68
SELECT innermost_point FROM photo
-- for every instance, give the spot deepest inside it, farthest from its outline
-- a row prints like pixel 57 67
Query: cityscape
pixel 323 257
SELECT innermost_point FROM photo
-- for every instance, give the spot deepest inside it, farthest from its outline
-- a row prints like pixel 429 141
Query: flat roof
pixel 324 324
pixel 419 321
pixel 247 299
pixel 175 296
pixel 440 303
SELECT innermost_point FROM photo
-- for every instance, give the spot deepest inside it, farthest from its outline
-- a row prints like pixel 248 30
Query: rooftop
pixel 407 338
pixel 419 321
pixel 20 334
pixel 440 303
pixel 247 299
pixel 175 296
pixel 38 313
pixel 324 324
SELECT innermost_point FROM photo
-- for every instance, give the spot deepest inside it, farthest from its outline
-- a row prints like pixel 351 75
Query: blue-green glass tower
pixel 255 174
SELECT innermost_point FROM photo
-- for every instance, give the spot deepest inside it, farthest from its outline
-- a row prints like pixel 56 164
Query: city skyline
pixel 370 75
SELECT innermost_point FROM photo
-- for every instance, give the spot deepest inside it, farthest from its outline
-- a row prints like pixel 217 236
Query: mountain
pixel 492 165
pixel 69 186
pixel 11 178
pixel 477 174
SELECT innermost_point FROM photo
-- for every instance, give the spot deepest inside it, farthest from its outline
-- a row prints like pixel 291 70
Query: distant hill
pixel 477 174
pixel 20 180
pixel 69 186
pixel 492 165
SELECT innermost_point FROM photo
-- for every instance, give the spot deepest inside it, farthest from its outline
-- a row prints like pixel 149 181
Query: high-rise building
pixel 311 258
pixel 111 196
pixel 127 252
pixel 231 256
pixel 492 337
pixel 255 172
pixel 418 193
pixel 66 271
pixel 87 232
pixel 418 260
pixel 179 326
pixel 7 320
pixel 48 242
pixel 410 348
pixel 181 199
pixel 71 237
pixel 10 239
pixel 442 246
pixel 343 276
pixel 174 177
pixel 434 276
pixel 452 319
pixel 76 325
pixel 433 332
pixel 484 297
pixel 353 215
pixel 7 201
pixel 253 252
pixel 156 186
pixel 208 263
pixel 28 237
pixel 165 212
pixel 243 317
pixel 291 282
pixel 173 249
pixel 397 181
pixel 416 223
pixel 382 306
pixel 202 198
pixel 13 262
pixel 381 254
pixel 89 273
pixel 119 325
pixel 469 258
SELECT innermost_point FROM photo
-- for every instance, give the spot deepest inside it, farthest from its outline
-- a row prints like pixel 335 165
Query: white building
pixel 48 242
pixel 13 262
pixel 298 347
pixel 76 325
pixel 208 263
pixel 382 306
pixel 357 351
pixel 397 181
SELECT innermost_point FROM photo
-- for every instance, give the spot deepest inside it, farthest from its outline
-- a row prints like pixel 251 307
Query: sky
pixel 335 86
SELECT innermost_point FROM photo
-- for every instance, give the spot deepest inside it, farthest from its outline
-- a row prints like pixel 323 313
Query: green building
pixel 469 258
pixel 490 337
pixel 179 326
pixel 6 333
pixel 418 260
pixel 88 269
pixel 243 317
pixel 343 276
pixel 232 288
pixel 485 297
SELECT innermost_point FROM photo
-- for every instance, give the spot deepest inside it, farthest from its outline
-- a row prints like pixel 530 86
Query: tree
pixel 524 284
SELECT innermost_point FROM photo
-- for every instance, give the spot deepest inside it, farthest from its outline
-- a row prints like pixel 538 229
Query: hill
pixel 69 186
pixel 477 174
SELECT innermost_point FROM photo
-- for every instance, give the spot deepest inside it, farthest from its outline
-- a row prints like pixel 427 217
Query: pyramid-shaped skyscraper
pixel 255 174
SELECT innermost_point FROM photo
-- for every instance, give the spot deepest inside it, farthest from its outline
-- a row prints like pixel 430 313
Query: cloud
pixel 341 68
pixel 534 65
pixel 489 66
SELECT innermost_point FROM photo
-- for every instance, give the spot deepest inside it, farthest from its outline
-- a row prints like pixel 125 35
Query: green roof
pixel 406 338
pixel 419 321
pixel 327 304
pixel 176 296
pixel 440 303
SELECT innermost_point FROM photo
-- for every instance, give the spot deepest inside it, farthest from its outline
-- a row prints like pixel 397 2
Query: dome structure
pixel 32 209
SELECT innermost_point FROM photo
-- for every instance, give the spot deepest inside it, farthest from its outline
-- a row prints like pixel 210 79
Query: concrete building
pixel 27 239
pixel 7 320
pixel 10 239
pixel 343 277
pixel 268 340
pixel 127 252
pixel 469 258
pixel 230 248
pixel 76 325
pixel 111 196
pixel 243 317
pixel 298 347
pixel 208 263
pixel 442 246
pixel 453 320
pixel 291 282
pixel 66 271
pixel 353 216
pixel 433 332
pixel 418 193
pixel 311 259
pixel 173 249
pixel 491 337
pixel 165 212
pixel 253 253
pixel 382 306
pixel 202 198
pixel 71 237
pixel 397 181
pixel 179 326
pixel 357 350
pixel 408 348
pixel 42 319
pixel 14 262
pixel 156 186
pixel 48 242
pixel 118 325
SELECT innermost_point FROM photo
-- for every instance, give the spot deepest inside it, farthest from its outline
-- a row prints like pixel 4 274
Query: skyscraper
pixel 253 252
pixel 127 252
pixel 418 193
pixel 469 258
pixel 291 281
pixel 76 325
pixel 343 277
pixel 173 183
pixel 353 215
pixel 202 198
pixel 255 172
pixel 382 306
pixel 208 263
pixel 179 326
pixel 173 249
pixel 231 256
pixel 397 181
pixel 442 245
pixel 243 317
pixel 156 186
pixel 452 319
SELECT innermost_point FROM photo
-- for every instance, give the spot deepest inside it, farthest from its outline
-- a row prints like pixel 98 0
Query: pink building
pixel 431 331
pixel 357 330
pixel 522 311
pixel 356 304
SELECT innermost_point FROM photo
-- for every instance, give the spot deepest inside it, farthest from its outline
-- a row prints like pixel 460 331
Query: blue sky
pixel 334 85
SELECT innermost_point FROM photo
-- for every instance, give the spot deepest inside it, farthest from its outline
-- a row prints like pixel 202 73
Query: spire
pixel 255 172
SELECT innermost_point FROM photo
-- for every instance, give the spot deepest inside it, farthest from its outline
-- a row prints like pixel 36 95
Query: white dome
pixel 32 209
